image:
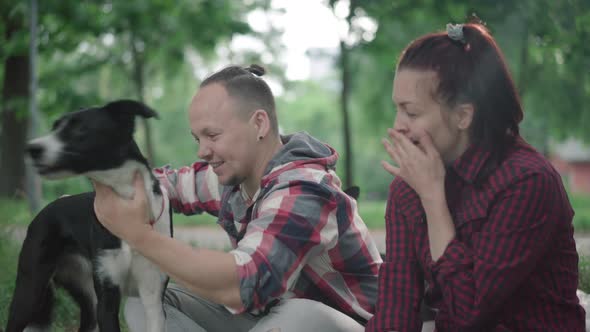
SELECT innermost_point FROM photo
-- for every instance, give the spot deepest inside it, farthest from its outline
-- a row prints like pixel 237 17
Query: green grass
pixel 66 313
pixel 196 220
pixel 14 213
pixel 372 213
pixel 584 266
pixel 581 205
pixel 8 261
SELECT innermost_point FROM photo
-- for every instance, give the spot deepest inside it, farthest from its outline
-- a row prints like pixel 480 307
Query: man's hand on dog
pixel 126 219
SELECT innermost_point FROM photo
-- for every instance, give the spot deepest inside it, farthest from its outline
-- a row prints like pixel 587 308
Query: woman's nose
pixel 399 125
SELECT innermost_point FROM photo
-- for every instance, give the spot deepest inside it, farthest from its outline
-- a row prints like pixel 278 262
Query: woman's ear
pixel 464 116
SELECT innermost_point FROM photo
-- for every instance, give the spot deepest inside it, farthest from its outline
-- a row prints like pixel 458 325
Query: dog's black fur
pixel 66 246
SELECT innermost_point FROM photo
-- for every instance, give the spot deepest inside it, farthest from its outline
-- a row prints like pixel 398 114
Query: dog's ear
pixel 353 191
pixel 130 107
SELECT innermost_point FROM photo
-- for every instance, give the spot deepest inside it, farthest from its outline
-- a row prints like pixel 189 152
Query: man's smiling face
pixel 227 139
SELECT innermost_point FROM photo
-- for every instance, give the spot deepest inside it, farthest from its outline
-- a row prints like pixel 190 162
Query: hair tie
pixel 455 32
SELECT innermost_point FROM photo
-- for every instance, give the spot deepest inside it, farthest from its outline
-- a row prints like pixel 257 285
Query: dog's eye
pixel 55 124
pixel 78 130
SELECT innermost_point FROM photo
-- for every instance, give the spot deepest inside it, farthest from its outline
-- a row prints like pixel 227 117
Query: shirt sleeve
pixel 476 281
pixel 401 281
pixel 191 189
pixel 292 223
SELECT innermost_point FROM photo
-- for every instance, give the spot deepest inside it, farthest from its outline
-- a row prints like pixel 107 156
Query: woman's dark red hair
pixel 473 71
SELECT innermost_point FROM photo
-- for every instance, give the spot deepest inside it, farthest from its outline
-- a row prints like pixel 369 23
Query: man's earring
pixel 260 137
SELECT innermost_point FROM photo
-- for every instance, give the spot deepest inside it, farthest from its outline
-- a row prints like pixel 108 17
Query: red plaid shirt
pixel 300 237
pixel 512 265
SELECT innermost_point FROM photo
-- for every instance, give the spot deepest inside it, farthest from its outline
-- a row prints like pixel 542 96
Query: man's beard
pixel 233 180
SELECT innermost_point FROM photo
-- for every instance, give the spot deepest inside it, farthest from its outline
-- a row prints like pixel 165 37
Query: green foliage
pixel 581 206
pixel 88 52
pixel 13 41
pixel 558 55
pixel 96 51
pixel 310 106
pixel 545 43
pixel 584 271
pixel 101 49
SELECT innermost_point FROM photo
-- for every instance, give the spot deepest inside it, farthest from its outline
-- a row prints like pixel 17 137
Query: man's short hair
pixel 250 91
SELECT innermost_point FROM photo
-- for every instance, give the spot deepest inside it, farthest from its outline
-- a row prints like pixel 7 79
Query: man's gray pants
pixel 188 312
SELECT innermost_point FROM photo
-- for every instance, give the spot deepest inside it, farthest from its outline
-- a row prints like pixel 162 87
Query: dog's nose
pixel 34 150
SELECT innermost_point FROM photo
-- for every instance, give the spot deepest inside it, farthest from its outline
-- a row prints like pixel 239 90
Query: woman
pixel 479 226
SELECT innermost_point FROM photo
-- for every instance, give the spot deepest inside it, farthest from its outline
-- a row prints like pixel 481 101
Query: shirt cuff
pixel 234 311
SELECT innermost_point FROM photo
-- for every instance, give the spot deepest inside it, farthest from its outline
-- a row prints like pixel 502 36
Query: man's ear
pixel 261 122
pixel 464 116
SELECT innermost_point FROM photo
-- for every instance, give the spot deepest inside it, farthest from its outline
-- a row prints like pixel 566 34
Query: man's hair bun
pixel 256 69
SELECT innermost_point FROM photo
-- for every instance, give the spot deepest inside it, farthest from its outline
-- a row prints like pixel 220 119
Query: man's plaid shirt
pixel 300 236
pixel 512 265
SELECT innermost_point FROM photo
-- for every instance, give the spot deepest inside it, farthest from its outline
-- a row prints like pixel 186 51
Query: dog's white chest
pixel 128 270
pixel 115 265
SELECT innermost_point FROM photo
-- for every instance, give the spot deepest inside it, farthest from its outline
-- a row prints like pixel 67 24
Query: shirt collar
pixel 470 163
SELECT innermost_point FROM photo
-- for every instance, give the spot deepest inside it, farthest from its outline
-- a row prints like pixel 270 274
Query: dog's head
pixel 92 139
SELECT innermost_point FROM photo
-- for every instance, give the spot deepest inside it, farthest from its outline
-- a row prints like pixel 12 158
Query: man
pixel 300 249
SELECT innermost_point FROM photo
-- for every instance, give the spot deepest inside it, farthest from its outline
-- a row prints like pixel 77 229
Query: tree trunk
pixel 33 181
pixel 15 123
pixel 524 60
pixel 344 103
pixel 139 81
pixel 14 117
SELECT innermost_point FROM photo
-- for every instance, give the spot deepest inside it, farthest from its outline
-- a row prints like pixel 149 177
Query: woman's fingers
pixel 390 168
pixel 404 144
pixel 398 156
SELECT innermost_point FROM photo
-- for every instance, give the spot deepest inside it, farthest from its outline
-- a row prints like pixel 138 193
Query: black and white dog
pixel 66 245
